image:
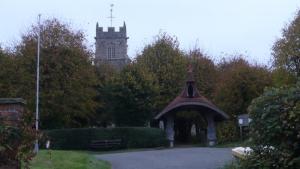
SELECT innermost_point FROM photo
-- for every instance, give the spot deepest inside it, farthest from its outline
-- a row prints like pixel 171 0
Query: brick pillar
pixel 11 110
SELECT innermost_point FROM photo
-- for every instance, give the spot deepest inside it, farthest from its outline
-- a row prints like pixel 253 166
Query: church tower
pixel 111 46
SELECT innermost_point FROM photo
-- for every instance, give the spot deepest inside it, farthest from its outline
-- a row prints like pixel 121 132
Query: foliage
pixel 232 165
pixel 67 160
pixel 105 82
pixel 227 132
pixel 80 139
pixel 67 78
pixel 134 93
pixel 282 77
pixel 286 49
pixel 239 82
pixel 239 143
pixel 166 61
pixel 205 72
pixel 8 78
pixel 275 129
pixel 16 142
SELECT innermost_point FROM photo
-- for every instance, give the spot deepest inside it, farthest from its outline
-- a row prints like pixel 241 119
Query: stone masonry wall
pixel 111 46
pixel 10 113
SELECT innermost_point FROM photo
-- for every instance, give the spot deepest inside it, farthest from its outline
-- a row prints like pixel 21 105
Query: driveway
pixel 176 158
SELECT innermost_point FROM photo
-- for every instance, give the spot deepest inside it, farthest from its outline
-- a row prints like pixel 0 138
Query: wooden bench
pixel 105 144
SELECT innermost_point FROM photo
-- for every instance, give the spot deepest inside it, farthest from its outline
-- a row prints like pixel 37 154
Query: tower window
pixel 113 52
pixel 109 53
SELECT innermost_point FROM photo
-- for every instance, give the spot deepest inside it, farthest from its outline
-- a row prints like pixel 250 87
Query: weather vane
pixel 111 14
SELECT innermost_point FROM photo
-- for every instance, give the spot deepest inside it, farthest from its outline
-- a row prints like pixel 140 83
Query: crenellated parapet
pixel 111 46
pixel 111 32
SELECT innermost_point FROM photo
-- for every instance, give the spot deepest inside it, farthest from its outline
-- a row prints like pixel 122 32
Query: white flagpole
pixel 36 146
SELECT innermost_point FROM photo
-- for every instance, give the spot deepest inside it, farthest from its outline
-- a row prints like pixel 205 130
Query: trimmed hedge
pixel 80 138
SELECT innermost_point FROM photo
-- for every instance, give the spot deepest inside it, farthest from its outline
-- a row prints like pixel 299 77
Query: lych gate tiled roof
pixel 190 97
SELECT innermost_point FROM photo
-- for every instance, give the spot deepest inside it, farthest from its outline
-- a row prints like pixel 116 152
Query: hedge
pixel 80 138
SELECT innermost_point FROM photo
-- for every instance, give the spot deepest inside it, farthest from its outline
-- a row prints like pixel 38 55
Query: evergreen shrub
pixel 227 132
pixel 275 129
pixel 80 138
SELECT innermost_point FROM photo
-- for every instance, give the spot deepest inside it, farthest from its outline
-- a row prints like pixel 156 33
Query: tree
pixel 105 82
pixel 67 75
pixel 238 83
pixel 205 72
pixel 134 94
pixel 8 76
pixel 281 77
pixel 286 49
pixel 167 62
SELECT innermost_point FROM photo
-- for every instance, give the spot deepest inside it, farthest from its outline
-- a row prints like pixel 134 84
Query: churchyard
pixel 64 106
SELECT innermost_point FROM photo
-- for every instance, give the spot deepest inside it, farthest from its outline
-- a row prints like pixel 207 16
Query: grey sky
pixel 219 27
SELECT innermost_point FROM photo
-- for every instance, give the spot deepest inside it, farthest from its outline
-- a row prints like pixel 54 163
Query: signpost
pixel 243 121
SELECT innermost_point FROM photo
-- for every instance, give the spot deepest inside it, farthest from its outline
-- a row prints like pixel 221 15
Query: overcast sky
pixel 218 27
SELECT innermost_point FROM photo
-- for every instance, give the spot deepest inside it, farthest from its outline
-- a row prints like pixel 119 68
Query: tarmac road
pixel 176 158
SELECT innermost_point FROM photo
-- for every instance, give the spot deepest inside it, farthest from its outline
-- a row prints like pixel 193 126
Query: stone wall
pixel 11 110
pixel 111 46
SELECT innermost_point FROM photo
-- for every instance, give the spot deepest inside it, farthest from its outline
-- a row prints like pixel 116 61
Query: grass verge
pixel 244 143
pixel 231 165
pixel 67 160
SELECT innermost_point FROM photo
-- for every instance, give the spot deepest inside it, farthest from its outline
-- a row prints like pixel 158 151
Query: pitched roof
pixel 190 97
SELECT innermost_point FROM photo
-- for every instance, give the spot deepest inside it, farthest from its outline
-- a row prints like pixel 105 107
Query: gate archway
pixel 191 99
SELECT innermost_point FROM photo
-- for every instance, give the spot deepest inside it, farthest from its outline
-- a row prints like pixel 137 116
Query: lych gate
pixel 190 99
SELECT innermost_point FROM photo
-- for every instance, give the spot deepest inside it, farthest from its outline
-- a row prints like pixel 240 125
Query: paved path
pixel 177 158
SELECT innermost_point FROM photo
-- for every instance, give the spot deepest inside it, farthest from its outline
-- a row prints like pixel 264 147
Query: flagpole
pixel 36 146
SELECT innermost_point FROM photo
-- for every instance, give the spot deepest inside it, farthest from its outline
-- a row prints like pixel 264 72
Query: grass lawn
pixel 55 159
pixel 231 165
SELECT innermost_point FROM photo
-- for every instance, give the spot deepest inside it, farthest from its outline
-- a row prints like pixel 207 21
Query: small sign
pixel 241 121
pixel 244 120
pixel 48 144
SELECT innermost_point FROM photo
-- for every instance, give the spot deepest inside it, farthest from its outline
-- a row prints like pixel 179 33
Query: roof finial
pixel 190 75
pixel 111 14
pixel 190 68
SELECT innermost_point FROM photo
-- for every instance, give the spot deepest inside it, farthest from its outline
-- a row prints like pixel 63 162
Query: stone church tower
pixel 111 46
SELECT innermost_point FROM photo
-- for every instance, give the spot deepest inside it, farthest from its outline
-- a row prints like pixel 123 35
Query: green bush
pixel 80 138
pixel 275 129
pixel 227 132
